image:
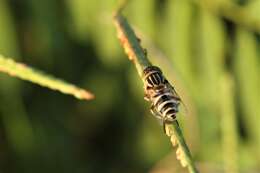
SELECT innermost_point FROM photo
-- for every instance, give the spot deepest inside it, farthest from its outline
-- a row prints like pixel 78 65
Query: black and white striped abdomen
pixel 167 105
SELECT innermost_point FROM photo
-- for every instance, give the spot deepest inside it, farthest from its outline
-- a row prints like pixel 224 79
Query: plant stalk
pixel 136 54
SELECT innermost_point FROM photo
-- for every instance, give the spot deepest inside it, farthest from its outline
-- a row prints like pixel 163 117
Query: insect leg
pixel 146 97
pixel 164 130
pixel 146 94
pixel 159 117
pixel 155 113
pixel 177 97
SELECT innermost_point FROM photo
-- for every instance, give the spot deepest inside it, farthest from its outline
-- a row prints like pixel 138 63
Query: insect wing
pixel 176 95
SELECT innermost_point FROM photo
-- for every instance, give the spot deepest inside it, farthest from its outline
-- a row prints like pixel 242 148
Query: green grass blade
pixel 24 72
pixel 229 124
pixel 8 42
pixel 247 74
pixel 211 48
pixel 176 34
pixel 239 15
pixel 142 13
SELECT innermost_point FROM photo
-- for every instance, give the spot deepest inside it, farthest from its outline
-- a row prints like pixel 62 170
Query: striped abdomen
pixel 166 104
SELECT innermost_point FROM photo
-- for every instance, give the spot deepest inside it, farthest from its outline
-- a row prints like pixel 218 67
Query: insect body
pixel 165 100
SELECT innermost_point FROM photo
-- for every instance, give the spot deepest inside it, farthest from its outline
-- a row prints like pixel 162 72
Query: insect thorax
pixel 153 77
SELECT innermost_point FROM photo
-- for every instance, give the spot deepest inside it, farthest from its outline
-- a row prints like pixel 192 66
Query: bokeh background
pixel 208 49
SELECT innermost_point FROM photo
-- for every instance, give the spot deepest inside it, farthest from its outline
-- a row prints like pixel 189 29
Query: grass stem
pixel 136 54
pixel 25 72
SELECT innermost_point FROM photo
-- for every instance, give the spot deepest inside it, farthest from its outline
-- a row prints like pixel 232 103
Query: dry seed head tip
pixel 82 94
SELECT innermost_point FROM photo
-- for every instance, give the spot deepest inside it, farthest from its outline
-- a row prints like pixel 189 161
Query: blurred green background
pixel 209 50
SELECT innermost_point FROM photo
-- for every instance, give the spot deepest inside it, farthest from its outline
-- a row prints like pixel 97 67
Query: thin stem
pixel 136 54
pixel 25 72
pixel 131 44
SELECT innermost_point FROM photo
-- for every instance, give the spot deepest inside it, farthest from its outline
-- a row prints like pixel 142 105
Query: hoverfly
pixel 165 100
